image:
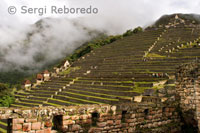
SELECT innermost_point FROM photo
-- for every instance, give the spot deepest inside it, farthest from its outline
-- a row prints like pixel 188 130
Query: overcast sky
pixel 140 11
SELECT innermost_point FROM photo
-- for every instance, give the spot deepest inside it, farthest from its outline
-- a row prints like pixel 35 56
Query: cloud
pixel 23 44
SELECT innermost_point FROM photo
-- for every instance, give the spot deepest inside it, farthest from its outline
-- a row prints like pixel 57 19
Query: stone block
pixel 110 122
pixel 36 126
pixel 40 131
pixel 131 130
pixel 101 124
pixel 17 126
pixel 66 117
pixel 119 117
pixel 150 117
pixel 131 124
pixel 26 127
pixel 47 130
pixel 88 121
pixel 16 131
pixel 31 120
pixel 32 131
pixel 48 124
pixel 76 127
pixel 118 122
pixel 18 121
pixel 75 117
pixel 132 115
pixel 130 120
pixel 68 122
pixel 84 117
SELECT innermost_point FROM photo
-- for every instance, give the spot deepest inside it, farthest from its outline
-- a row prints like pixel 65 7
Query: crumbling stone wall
pixel 126 117
pixel 188 91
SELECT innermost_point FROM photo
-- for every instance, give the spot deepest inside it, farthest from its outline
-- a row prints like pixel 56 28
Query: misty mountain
pixel 43 43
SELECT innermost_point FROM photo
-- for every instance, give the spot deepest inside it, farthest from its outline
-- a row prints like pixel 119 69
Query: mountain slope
pixel 123 69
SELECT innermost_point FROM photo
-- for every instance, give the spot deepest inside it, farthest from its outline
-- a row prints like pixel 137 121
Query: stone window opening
pixel 123 116
pixel 146 113
pixel 95 117
pixel 163 111
pixel 57 123
pixel 9 125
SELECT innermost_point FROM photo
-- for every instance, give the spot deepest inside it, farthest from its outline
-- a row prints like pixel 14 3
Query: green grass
pixel 27 103
pixel 3 130
pixel 21 106
pixel 2 123
pixel 69 70
pixel 115 73
pixel 110 99
pixel 153 55
pixel 140 89
pixel 101 94
pixel 53 104
pixel 63 101
pixel 138 83
pixel 105 81
pixel 108 85
pixel 32 100
pixel 94 102
pixel 107 90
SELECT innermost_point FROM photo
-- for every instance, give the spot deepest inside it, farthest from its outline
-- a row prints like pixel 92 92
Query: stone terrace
pixel 119 71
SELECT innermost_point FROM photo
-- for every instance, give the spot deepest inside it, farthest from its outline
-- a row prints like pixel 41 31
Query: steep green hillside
pixel 128 67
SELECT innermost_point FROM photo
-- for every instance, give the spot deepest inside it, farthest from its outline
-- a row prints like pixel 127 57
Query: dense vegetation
pixel 6 96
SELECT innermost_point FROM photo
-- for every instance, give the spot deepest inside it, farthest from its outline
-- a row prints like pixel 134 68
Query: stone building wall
pixel 188 91
pixel 122 118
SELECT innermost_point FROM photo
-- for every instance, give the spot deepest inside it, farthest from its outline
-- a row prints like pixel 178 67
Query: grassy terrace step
pixel 90 94
pixel 111 79
pixel 42 92
pixel 60 79
pixel 109 87
pixel 100 93
pixel 124 75
pixel 128 75
pixel 106 91
pixel 3 126
pixel 50 89
pixel 73 99
pixel 49 85
pixel 135 64
pixel 58 102
pixel 120 75
pixel 31 101
pixel 132 71
pixel 38 98
pixel 125 83
pixel 24 104
pixel 2 130
pixel 35 95
pixel 126 67
pixel 30 97
pixel 90 98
